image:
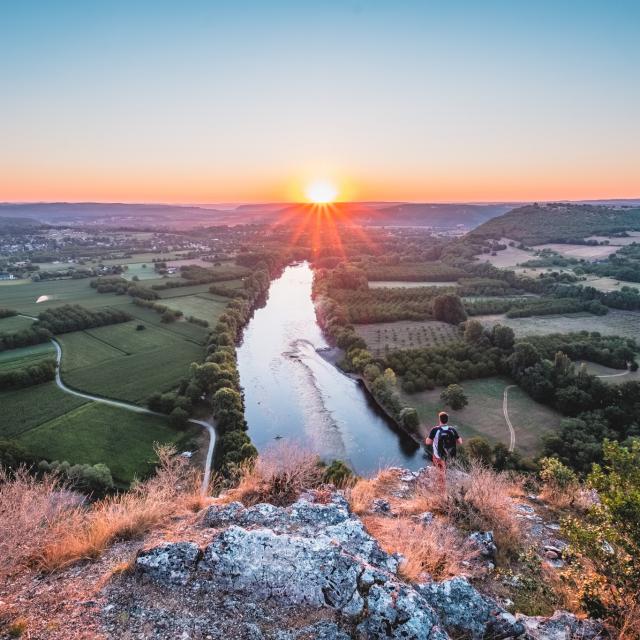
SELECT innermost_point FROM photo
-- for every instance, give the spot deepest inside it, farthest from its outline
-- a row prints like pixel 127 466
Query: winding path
pixel 505 410
pixel 136 409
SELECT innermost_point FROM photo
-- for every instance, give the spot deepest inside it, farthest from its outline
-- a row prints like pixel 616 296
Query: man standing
pixel 444 439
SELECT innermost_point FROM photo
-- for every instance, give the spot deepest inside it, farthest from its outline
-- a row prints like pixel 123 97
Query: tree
pixel 473 331
pixel 409 419
pixel 227 399
pixel 502 337
pixel 479 449
pixel 178 418
pixel 455 397
pixel 449 308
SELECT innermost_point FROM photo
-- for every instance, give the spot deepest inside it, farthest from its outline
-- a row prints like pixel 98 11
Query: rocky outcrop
pixel 309 570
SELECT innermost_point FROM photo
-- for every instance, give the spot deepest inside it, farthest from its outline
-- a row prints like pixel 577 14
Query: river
pixel 293 394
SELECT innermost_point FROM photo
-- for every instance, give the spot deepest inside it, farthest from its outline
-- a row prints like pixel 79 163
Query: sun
pixel 321 192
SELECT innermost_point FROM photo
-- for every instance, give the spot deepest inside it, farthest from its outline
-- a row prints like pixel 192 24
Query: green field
pixel 14 323
pixel 204 306
pixel 386 336
pixel 144 271
pixel 24 409
pixel 58 292
pixel 121 363
pixel 25 356
pixel 483 415
pixel 93 433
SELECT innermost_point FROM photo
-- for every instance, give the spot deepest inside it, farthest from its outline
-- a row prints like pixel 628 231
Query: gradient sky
pixel 211 101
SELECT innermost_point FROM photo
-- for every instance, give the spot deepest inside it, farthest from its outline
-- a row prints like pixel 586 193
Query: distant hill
pixel 558 222
pixel 432 214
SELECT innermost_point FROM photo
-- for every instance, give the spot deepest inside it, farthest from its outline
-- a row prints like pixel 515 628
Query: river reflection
pixel 293 394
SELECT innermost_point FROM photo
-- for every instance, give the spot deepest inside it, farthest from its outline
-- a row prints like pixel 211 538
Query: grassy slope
pixel 483 415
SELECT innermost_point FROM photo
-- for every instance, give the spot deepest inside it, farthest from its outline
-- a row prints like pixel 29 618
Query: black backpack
pixel 447 441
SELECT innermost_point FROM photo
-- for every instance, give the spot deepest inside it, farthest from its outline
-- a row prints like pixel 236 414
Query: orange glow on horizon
pixel 81 184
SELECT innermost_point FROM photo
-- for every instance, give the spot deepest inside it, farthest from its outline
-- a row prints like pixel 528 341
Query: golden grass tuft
pixel 477 498
pixel 277 476
pixel 436 549
pixel 362 494
pixel 44 525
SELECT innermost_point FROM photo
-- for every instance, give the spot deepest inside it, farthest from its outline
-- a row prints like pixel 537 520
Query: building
pixel 6 276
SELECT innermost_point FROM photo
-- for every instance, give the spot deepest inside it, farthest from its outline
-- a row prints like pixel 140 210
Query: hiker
pixel 444 439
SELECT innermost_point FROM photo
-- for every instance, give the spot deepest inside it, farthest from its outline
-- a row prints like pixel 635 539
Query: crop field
pixel 14 323
pixel 120 362
pixel 24 409
pixel 615 323
pixel 178 292
pixel 93 433
pixel 392 284
pixel 509 257
pixel 25 356
pixel 586 252
pixel 483 415
pixel 181 329
pixel 387 336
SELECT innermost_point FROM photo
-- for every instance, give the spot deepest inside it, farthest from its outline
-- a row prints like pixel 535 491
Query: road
pixel 505 410
pixel 136 409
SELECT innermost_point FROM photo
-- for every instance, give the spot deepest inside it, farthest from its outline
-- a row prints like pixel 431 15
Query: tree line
pixel 68 318
pixel 29 376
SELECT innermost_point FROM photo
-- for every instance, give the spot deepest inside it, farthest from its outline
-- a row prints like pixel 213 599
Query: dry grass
pixel 278 476
pixel 573 497
pixel 481 499
pixel 366 490
pixel 45 526
pixel 436 549
pixel 475 499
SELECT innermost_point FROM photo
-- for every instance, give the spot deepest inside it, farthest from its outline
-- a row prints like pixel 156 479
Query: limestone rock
pixel 463 610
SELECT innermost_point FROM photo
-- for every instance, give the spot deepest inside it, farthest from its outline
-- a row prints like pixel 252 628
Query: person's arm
pixel 430 437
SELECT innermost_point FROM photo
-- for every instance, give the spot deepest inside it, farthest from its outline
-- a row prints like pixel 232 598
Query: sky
pixel 250 101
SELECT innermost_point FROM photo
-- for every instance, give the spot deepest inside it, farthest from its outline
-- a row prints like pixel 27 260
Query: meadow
pixel 580 251
pixel 616 322
pixel 509 257
pixel 483 415
pixel 613 376
pixel 387 336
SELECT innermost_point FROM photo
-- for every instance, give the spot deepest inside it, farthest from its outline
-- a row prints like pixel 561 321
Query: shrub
pixel 277 476
pixel 607 542
pixel 455 397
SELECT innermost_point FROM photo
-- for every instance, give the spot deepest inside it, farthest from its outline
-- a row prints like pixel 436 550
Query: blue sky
pixel 230 101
